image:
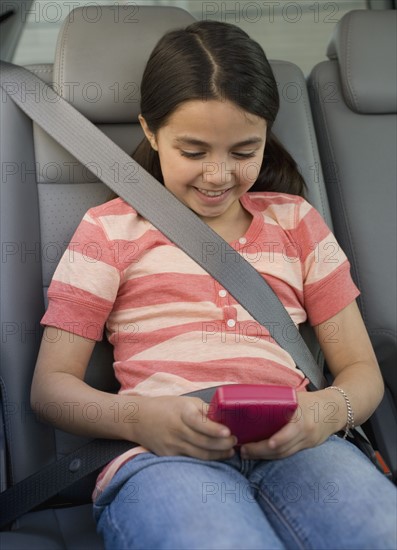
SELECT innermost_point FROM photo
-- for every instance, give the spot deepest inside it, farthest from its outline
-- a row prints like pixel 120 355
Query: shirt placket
pixel 229 312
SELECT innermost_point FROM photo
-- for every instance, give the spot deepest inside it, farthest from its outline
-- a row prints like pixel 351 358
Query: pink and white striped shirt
pixel 173 327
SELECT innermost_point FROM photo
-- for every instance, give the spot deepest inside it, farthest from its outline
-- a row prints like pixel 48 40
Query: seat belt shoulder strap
pixel 154 202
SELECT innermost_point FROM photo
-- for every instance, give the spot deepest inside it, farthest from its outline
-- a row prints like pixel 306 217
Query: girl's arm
pixel 351 359
pixel 59 378
pixel 164 425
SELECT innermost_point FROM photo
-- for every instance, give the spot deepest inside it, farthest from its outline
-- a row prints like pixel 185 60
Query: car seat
pixel 354 100
pixel 45 193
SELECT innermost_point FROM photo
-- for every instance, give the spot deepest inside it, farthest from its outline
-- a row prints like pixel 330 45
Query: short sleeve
pixel 85 283
pixel 327 283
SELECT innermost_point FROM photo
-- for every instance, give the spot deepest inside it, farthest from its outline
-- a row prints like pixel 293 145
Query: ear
pixel 148 133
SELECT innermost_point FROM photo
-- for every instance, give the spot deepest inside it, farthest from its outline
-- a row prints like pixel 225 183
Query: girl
pixel 209 99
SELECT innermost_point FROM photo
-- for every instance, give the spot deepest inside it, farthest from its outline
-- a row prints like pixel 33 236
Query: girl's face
pixel 210 154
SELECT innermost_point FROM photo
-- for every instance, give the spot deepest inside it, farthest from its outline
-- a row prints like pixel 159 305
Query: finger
pixel 196 419
pixel 208 442
pixel 259 450
pixel 185 448
pixel 203 432
pixel 207 454
pixel 271 449
pixel 278 443
pixel 285 437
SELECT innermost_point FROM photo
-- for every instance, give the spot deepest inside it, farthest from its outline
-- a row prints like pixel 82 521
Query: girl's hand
pixel 319 414
pixel 179 426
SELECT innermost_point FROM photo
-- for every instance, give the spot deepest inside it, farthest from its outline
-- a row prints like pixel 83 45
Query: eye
pixel 244 155
pixel 190 155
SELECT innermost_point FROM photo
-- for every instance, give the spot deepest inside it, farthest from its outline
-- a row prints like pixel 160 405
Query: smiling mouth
pixel 212 193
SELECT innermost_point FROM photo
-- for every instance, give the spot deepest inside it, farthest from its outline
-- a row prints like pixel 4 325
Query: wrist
pixel 325 410
pixel 127 413
pixel 348 423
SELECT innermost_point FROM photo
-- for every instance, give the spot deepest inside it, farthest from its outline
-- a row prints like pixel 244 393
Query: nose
pixel 218 173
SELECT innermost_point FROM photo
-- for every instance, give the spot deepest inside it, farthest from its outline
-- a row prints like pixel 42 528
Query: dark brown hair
pixel 215 60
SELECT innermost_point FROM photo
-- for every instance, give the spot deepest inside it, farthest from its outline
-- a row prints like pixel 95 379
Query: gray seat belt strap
pixel 57 476
pixel 154 202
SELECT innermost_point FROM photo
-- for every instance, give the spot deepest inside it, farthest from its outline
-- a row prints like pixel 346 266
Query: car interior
pixel 340 127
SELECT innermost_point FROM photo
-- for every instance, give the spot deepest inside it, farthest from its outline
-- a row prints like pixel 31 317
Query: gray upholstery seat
pixel 98 68
pixel 354 101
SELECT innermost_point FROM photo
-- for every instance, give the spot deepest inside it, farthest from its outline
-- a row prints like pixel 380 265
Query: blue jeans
pixel 329 496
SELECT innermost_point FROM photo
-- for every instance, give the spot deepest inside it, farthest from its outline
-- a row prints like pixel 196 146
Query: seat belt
pixel 153 201
pixel 176 221
pixel 32 491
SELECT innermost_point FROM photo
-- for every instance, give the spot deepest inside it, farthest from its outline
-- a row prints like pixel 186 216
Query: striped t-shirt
pixel 173 327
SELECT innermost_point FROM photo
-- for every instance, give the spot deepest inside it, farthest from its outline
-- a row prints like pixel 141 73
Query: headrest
pixel 101 54
pixel 364 43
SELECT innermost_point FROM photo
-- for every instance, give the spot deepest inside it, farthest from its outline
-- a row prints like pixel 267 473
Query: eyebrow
pixel 188 140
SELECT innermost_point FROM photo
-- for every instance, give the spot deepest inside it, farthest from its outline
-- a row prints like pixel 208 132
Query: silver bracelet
pixel 350 414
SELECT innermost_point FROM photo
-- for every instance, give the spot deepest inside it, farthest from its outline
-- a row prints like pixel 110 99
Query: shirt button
pixel 242 240
pixel 231 323
pixel 222 293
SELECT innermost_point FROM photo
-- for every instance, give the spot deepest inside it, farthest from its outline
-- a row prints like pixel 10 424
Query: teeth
pixel 212 193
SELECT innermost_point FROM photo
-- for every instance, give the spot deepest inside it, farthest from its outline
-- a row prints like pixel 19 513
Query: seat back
pixel 354 101
pixel 98 68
